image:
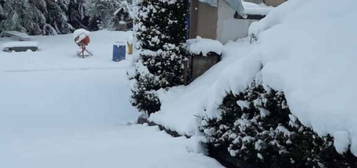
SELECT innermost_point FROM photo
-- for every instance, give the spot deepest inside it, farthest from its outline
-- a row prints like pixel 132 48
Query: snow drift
pixel 306 49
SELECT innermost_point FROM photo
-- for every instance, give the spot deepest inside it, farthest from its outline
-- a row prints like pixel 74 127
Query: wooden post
pixel 130 47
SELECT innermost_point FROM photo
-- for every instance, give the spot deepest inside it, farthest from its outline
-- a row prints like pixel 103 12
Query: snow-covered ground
pixel 61 111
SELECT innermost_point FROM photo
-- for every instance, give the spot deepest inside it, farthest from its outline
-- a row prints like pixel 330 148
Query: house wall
pixel 228 27
pixel 203 20
pixel 199 64
pixel 218 22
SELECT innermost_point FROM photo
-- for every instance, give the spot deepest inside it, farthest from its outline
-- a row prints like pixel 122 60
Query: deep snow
pixel 306 49
pixel 182 106
pixel 61 111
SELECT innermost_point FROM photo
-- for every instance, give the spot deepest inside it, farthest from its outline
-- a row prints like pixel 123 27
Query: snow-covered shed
pixel 226 20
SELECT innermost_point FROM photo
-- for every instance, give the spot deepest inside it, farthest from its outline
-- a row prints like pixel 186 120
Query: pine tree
pixel 34 16
pixel 51 16
pixel 57 20
pixel 77 14
pixel 161 34
pixel 14 10
pixel 2 12
pixel 103 12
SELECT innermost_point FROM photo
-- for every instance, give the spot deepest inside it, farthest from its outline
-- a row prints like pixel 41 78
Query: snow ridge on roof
pixel 213 3
pixel 204 46
pixel 243 8
pixel 256 9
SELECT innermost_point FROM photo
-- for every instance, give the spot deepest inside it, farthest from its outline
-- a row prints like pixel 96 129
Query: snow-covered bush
pixel 161 34
pixel 143 91
pixel 256 129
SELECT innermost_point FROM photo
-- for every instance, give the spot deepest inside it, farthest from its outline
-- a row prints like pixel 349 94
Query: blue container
pixel 119 52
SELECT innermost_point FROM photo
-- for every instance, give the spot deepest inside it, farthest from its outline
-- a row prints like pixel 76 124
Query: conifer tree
pixel 77 14
pixel 52 16
pixel 34 16
pixel 57 20
pixel 14 11
pixel 161 34
pixel 103 11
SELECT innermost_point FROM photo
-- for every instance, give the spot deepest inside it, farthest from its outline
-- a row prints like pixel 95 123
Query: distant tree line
pixel 50 17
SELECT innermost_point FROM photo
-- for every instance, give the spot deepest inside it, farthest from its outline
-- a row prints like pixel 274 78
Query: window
pixel 249 16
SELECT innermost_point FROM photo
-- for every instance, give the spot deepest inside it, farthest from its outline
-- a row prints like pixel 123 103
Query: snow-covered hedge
pixel 306 49
pixel 255 128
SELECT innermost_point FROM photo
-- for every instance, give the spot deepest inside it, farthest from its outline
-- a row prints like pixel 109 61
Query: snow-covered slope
pixel 306 49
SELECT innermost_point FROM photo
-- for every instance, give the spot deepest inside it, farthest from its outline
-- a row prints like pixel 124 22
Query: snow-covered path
pixel 59 111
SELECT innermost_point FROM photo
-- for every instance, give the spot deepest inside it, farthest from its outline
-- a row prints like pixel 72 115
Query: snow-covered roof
pixel 243 8
pixel 255 9
pixel 204 46
pixel 210 2
pixel 237 5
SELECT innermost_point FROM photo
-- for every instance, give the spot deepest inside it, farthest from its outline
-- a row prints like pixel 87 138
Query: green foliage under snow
pixel 255 128
pixel 161 34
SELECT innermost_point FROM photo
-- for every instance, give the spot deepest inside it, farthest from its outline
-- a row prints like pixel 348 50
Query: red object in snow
pixel 82 39
pixel 85 41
